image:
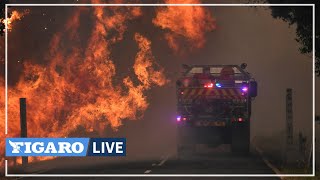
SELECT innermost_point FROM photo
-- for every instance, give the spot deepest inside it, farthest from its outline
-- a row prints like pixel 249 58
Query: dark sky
pixel 243 34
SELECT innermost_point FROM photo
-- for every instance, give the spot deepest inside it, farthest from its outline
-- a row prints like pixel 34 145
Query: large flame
pixel 184 25
pixel 77 88
pixel 15 16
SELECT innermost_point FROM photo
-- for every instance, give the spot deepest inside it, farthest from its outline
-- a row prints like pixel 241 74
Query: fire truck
pixel 214 107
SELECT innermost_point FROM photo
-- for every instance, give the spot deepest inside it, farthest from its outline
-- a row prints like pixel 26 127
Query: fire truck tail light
pixel 244 89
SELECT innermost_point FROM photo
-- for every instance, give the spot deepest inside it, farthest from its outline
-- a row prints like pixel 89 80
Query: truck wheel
pixel 227 135
pixel 186 146
pixel 186 151
pixel 240 140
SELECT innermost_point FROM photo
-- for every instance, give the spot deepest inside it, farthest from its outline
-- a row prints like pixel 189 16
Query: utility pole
pixel 289 117
pixel 23 124
pixel 289 126
pixel 310 163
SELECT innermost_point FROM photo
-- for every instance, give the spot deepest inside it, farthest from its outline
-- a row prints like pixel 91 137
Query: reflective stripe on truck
pixel 228 93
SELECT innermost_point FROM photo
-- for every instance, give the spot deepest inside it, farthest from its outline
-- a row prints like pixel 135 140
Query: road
pixel 209 162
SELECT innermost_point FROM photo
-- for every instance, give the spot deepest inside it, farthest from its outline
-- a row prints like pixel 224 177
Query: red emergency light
pixel 209 85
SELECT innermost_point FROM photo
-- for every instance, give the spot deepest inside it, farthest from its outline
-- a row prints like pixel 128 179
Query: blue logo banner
pixel 65 147
pixel 46 146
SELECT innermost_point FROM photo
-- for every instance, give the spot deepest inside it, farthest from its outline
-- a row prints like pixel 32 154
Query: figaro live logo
pixel 65 147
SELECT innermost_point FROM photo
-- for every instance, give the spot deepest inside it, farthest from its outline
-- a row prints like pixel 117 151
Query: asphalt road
pixel 209 162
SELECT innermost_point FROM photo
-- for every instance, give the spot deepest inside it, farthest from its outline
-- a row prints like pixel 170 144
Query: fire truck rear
pixel 214 107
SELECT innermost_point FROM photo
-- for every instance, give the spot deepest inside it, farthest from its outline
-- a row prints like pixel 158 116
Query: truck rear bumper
pixel 203 135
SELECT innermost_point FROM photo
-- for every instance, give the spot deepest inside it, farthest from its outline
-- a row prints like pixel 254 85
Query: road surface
pixel 214 162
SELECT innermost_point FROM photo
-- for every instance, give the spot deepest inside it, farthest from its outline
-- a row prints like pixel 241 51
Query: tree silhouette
pixel 301 16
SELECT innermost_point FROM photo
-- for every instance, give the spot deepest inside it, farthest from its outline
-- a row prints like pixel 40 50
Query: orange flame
pixel 15 16
pixel 76 88
pixel 143 66
pixel 184 24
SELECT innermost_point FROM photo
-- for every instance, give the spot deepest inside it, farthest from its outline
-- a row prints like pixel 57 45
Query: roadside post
pixel 23 124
